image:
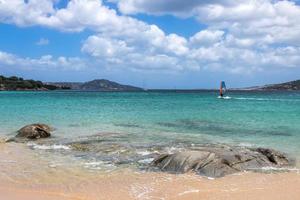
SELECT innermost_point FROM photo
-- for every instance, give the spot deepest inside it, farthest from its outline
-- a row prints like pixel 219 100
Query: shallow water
pixel 102 130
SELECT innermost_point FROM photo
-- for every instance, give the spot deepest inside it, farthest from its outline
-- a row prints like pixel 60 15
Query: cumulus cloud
pixel 104 47
pixel 241 36
pixel 135 54
pixel 207 37
pixel 43 63
pixel 272 21
pixel 158 7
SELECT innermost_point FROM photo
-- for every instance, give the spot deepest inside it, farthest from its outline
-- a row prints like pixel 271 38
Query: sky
pixel 184 44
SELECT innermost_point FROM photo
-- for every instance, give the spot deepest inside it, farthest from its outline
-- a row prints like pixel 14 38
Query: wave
pixel 276 169
pixel 263 99
pixel 244 144
pixel 224 97
pixel 99 165
pixel 146 161
pixel 146 152
pixel 48 147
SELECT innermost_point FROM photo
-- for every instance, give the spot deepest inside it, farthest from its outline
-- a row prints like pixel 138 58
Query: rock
pixel 10 139
pixel 80 147
pixel 34 131
pixel 273 156
pixel 218 162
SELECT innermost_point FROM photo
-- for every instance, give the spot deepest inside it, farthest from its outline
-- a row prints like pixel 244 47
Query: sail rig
pixel 222 88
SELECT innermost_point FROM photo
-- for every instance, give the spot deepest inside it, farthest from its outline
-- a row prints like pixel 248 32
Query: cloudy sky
pixel 152 43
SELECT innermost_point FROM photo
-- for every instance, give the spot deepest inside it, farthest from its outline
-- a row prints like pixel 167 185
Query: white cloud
pixel 242 36
pixel 104 47
pixel 45 62
pixel 25 14
pixel 42 42
pixel 272 20
pixel 133 55
pixel 158 7
pixel 207 37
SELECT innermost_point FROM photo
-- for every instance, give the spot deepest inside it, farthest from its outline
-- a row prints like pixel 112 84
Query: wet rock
pixel 220 161
pixel 34 131
pixel 274 156
pixel 80 147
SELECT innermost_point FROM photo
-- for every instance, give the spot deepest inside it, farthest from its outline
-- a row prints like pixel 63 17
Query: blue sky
pixel 152 44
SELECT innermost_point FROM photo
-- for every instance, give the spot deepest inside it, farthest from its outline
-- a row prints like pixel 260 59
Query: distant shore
pixel 19 84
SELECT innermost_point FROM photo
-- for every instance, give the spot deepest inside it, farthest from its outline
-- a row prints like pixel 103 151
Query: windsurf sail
pixel 222 88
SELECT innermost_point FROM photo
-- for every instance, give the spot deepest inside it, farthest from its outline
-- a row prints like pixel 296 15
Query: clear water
pixel 145 119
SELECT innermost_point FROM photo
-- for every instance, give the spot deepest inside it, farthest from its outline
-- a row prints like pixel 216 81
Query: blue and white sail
pixel 222 88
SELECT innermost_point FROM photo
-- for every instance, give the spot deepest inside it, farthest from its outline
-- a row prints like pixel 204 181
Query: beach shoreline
pixel 25 175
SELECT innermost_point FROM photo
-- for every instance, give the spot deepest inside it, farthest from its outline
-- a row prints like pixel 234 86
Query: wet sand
pixel 26 175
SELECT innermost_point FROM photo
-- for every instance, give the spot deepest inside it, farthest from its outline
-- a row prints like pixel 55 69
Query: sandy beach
pixel 24 175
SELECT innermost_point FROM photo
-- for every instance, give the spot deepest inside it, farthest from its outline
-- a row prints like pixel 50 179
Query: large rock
pixel 218 162
pixel 34 131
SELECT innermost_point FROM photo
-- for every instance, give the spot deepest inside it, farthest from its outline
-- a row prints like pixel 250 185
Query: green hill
pixel 17 83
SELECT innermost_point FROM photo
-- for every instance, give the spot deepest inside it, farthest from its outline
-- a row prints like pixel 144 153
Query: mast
pixel 221 92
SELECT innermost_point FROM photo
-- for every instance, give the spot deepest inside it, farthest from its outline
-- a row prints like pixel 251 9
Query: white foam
pixel 276 169
pixel 170 150
pixel 144 153
pixel 188 192
pixel 226 97
pixel 280 169
pixel 250 98
pixel 48 147
pixel 146 161
pixel 246 144
pixel 263 99
pixel 93 163
pixel 99 165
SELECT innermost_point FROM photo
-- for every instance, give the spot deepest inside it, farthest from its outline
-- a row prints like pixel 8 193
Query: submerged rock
pixel 218 162
pixel 34 131
pixel 80 147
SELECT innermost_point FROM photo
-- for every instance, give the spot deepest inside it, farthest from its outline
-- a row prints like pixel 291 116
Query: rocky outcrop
pixel 34 131
pixel 218 162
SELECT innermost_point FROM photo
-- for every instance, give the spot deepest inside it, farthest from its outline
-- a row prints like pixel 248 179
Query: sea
pixel 111 130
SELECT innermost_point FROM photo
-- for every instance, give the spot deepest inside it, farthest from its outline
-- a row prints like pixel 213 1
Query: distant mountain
pixel 292 85
pixel 18 83
pixel 97 85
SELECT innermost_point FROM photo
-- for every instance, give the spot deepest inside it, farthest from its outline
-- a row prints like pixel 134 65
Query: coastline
pixel 25 175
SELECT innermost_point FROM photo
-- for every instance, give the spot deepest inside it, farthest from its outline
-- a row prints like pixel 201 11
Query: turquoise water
pixel 149 119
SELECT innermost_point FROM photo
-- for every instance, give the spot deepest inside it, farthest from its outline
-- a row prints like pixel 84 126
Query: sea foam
pixel 48 147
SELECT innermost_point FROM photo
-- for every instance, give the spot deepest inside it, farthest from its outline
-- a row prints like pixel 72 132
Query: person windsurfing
pixel 222 89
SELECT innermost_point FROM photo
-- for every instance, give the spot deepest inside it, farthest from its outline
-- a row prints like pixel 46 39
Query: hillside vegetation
pixel 17 83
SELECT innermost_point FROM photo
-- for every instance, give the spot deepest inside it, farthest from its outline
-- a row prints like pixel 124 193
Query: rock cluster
pixel 218 162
